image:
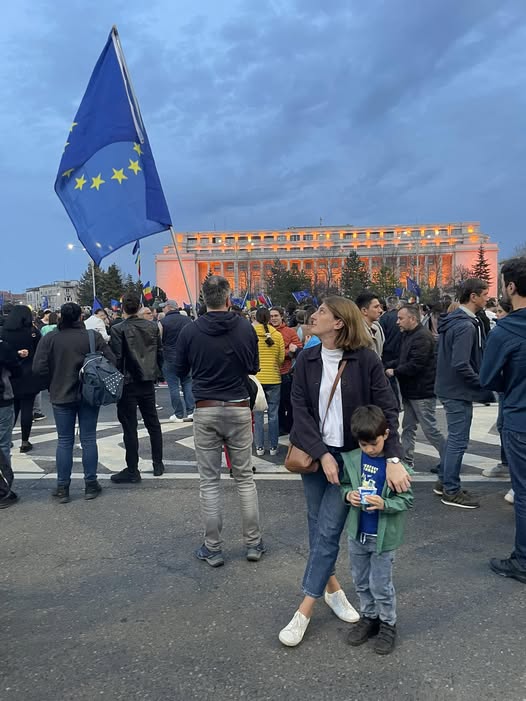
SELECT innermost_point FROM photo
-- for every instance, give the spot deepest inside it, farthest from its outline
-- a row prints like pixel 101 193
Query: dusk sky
pixel 273 113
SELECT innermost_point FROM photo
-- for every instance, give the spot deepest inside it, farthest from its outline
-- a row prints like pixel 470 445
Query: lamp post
pixel 71 247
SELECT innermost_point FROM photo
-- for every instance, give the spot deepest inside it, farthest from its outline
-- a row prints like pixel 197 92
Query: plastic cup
pixel 366 492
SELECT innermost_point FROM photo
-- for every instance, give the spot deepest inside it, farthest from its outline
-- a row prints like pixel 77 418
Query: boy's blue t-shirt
pixel 373 471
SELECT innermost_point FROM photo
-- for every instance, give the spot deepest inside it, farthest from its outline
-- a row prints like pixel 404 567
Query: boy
pixel 375 531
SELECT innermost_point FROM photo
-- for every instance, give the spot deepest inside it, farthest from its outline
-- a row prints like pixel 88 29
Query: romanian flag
pixel 147 292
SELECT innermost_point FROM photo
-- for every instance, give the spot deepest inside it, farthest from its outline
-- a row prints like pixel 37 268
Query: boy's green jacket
pixel 391 520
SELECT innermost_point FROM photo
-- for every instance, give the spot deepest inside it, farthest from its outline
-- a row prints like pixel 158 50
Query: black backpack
pixel 100 381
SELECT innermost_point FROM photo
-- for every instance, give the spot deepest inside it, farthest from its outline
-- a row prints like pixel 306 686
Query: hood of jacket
pixel 514 323
pixel 218 323
pixel 456 318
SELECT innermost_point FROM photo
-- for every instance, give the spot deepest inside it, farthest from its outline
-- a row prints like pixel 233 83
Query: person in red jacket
pixel 292 346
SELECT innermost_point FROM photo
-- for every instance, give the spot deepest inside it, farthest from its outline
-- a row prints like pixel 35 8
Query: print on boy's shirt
pixel 373 475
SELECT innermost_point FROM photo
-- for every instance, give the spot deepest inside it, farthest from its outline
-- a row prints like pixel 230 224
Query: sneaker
pixel 462 499
pixel 273 451
pixel 508 568
pixel 26 446
pixel 260 452
pixel 340 605
pixel 363 630
pixel 38 416
pixel 254 552
pixel 9 500
pixel 162 384
pixel 438 488
pixel 213 557
pixel 158 470
pixel 385 641
pixel 293 633
pixel 126 476
pixel 158 407
pixel 510 497
pixel 176 419
pixel 62 494
pixel 499 470
pixel 190 416
pixel 92 490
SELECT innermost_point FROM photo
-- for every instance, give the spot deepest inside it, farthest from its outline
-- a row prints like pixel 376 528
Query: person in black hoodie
pixel 58 360
pixel 10 361
pixel 221 350
pixel 460 347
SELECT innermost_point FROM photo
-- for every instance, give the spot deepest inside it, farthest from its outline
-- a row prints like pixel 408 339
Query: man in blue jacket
pixel 504 370
pixel 460 346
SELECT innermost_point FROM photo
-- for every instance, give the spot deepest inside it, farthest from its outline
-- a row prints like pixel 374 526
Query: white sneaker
pixel 510 497
pixel 273 451
pixel 260 452
pixel 190 417
pixel 174 418
pixel 292 634
pixel 341 607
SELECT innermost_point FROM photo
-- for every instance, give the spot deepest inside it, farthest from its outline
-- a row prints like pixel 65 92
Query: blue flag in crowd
pixel 413 287
pixel 1 302
pixel 398 291
pixel 300 295
pixel 44 304
pixel 115 304
pixel 96 306
pixel 107 179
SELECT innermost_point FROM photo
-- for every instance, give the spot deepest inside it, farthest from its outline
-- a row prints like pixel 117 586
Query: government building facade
pixel 431 254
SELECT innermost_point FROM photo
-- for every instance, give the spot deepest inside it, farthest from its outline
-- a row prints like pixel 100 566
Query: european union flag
pixel 300 296
pixel 413 287
pixel 107 179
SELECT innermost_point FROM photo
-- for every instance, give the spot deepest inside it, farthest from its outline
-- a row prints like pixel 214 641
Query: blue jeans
pixel 7 419
pixel 326 516
pixel 273 394
pixel 65 418
pixel 174 382
pixel 459 415
pixel 515 446
pixel 372 574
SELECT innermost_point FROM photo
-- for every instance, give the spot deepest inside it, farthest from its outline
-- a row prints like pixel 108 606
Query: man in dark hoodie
pixel 9 362
pixel 504 370
pixel 460 346
pixel 221 350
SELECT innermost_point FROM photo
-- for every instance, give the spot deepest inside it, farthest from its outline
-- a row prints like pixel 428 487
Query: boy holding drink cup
pixel 375 526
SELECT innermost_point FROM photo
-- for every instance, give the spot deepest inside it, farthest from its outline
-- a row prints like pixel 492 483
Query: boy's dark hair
pixel 367 423
pixel 364 299
pixel 515 271
pixel 69 315
pixel 472 286
pixel 131 303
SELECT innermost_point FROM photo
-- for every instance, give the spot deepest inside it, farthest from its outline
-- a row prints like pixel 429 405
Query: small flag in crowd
pixel 147 292
pixel 96 305
pixel 1 302
pixel 137 253
pixel 44 303
pixel 413 287
pixel 301 295
pixel 107 179
pixel 115 305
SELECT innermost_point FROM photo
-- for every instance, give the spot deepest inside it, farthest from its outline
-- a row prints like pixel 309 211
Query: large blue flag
pixel 107 179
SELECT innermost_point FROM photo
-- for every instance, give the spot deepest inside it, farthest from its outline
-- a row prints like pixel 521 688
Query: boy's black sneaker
pixel 363 630
pixel 62 494
pixel 92 489
pixel 385 641
pixel 126 476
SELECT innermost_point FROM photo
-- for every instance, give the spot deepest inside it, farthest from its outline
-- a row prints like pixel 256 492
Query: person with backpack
pixel 59 358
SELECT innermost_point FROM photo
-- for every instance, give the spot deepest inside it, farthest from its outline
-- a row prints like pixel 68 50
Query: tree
pixel 282 283
pixel 461 274
pixel 112 285
pixel 355 276
pixel 85 291
pixel 482 269
pixel 385 282
pixel 201 299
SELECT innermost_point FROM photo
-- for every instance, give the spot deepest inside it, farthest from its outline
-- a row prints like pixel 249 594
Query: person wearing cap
pixel 172 325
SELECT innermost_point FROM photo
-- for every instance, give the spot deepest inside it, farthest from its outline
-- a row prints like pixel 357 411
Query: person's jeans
pixel 65 419
pixel 372 574
pixel 326 516
pixel 500 425
pixel 230 426
pixel 142 395
pixel 7 416
pixel 174 382
pixel 423 412
pixel 515 446
pixel 459 415
pixel 272 393
pixel 37 404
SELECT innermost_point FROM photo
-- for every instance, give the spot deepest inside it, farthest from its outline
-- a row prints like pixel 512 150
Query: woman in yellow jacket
pixel 271 357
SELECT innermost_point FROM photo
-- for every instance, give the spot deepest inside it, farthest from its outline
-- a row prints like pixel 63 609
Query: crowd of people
pixel 335 378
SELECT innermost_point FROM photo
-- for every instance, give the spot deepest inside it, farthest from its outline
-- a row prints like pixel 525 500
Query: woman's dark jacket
pixel 24 384
pixel 363 382
pixel 59 358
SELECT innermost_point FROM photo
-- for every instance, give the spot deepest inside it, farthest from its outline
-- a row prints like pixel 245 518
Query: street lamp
pixel 71 247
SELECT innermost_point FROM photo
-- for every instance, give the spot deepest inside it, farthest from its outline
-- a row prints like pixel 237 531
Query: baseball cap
pixel 171 303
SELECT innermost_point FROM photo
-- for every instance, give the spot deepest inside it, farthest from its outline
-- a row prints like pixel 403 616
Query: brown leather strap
pixel 214 402
pixel 333 391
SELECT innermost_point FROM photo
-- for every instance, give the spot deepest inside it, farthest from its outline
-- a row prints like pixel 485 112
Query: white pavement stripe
pixel 21 463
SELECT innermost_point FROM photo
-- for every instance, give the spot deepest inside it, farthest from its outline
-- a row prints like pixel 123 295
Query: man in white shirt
pixel 97 322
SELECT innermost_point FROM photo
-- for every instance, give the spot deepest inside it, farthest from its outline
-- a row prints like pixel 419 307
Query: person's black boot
pixel 9 500
pixel 360 632
pixel 126 476
pixel 92 489
pixel 62 494
pixel 26 446
pixel 158 469
pixel 385 641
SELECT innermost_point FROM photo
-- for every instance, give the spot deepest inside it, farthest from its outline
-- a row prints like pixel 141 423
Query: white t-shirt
pixel 333 430
pixel 97 324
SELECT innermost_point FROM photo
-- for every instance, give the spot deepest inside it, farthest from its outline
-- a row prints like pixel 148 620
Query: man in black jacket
pixel 221 349
pixel 393 339
pixel 137 347
pixel 9 362
pixel 415 371
pixel 172 325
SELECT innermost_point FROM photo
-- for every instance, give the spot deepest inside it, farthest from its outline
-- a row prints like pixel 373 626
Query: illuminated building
pixel 428 253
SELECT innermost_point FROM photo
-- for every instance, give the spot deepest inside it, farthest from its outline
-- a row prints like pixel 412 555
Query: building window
pixel 307 237
pixel 308 265
pixel 294 237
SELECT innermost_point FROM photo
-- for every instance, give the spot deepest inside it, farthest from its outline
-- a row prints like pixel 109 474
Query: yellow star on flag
pixel 96 182
pixel 80 182
pixel 137 147
pixel 67 173
pixel 75 124
pixel 119 175
pixel 134 165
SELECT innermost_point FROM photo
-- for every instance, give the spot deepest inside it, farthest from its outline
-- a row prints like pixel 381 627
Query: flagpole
pixel 174 239
pixel 93 277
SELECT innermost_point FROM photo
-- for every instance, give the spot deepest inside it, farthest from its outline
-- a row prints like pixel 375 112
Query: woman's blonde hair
pixel 453 307
pixel 353 334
